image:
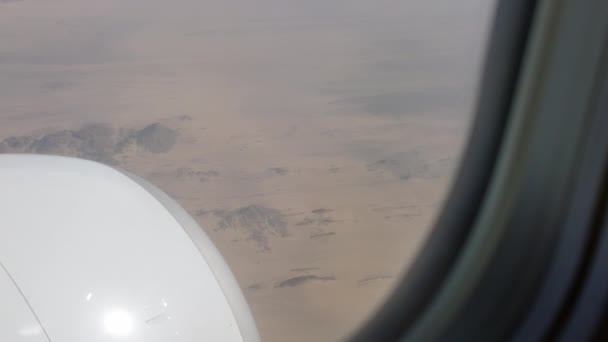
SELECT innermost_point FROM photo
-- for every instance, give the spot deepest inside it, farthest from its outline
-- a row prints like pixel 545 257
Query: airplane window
pixel 312 140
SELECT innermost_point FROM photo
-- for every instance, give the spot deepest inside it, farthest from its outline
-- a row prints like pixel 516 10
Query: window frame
pixel 532 182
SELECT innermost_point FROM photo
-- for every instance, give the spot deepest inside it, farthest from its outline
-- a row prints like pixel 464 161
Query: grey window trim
pixel 516 239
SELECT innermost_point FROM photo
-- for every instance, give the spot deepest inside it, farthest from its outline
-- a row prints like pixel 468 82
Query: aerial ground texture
pixel 312 140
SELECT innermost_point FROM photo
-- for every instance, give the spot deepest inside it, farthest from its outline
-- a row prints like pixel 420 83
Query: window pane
pixel 313 140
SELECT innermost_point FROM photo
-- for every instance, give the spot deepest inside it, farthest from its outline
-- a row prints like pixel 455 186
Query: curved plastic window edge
pixel 212 256
pixel 504 57
pixel 496 281
pixel 581 228
pixel 499 279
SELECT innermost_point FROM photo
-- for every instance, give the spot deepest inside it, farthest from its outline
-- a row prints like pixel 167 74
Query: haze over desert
pixel 313 141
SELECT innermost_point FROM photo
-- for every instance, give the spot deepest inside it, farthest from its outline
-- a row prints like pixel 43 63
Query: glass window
pixel 313 140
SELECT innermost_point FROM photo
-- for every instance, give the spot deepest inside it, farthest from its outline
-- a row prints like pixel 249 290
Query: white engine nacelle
pixel 89 253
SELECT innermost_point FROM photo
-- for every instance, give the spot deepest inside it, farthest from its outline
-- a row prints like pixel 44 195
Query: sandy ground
pixel 315 140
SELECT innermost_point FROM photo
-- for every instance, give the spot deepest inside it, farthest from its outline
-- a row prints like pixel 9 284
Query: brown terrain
pixel 312 140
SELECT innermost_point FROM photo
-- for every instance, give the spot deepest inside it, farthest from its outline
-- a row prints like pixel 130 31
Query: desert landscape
pixel 313 141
